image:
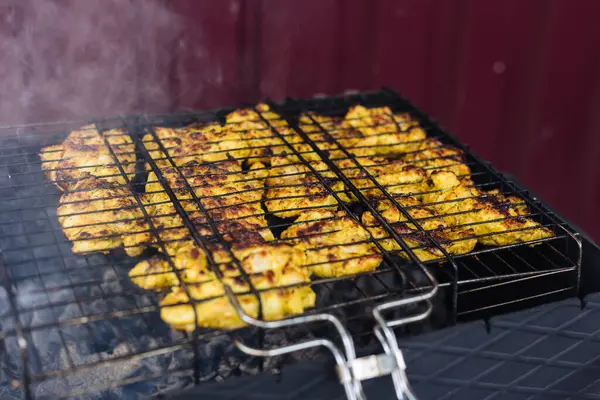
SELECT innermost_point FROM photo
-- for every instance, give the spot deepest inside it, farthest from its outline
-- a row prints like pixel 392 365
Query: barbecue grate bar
pixel 37 258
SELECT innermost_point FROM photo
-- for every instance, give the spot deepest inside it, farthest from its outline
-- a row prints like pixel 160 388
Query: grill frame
pixel 337 105
pixel 133 125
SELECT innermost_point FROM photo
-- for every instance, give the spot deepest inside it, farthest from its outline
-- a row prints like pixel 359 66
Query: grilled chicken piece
pixel 231 197
pixel 366 132
pixel 218 312
pixel 99 216
pixel 306 151
pixel 84 152
pixel 335 245
pixel 466 205
pixel 292 187
pixel 273 266
pixel 452 240
pixel 516 204
pixel 262 141
pixel 191 262
pixel 320 129
pixel 376 131
pixel 267 256
pixel 377 120
pixel 434 156
pixel 199 143
pixel 157 272
pixel 397 177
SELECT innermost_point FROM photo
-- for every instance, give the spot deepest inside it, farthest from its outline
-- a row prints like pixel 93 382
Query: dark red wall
pixel 517 79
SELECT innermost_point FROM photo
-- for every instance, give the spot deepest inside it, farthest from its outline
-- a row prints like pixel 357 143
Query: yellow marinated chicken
pixel 200 143
pixel 376 120
pixel 517 205
pixel 157 272
pixel 262 141
pixel 257 258
pixel 382 144
pixel 321 135
pixel 397 177
pixel 453 240
pixel 461 204
pixel 434 156
pixel 172 232
pixel 99 216
pixel 174 235
pixel 191 263
pixel 84 152
pixel 217 312
pixel 334 243
pixel 325 131
pixel 292 188
pixel 223 184
pixel 376 131
pixel 230 196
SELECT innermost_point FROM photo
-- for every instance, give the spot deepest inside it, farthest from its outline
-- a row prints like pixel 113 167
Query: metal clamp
pixel 352 387
pixel 391 362
pixel 351 370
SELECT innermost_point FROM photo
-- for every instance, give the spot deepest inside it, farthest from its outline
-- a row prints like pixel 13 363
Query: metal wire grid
pixel 270 124
pixel 19 181
pixel 25 176
pixel 485 269
pixel 55 294
pixel 394 263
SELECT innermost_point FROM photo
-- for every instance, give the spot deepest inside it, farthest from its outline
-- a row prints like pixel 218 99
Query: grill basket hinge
pixel 373 366
pixel 391 361
pixel 350 369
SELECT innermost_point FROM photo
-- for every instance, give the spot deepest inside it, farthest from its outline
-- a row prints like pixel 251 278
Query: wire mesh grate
pixel 70 315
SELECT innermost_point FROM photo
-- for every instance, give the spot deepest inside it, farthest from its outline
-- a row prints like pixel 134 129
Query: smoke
pixel 70 59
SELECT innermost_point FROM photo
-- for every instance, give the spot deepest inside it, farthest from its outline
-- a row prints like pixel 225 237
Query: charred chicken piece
pixel 255 126
pixel 283 294
pixel 198 143
pixel 84 152
pixel 231 197
pixel 334 243
pixel 369 132
pixel 516 204
pixel 270 266
pixel 320 129
pixel 452 240
pixel 434 156
pixel 292 187
pixel 191 263
pixel 377 131
pixel 461 204
pixel 397 177
pixel 99 216
pixel 157 273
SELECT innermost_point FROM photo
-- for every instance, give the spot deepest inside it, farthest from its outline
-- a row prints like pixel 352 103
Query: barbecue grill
pixel 76 324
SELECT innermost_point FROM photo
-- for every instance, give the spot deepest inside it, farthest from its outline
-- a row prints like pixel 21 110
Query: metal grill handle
pixel 352 387
pixel 351 370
